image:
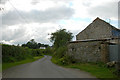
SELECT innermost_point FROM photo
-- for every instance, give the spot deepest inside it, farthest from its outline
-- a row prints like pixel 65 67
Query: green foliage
pixel 57 61
pixel 34 45
pixel 12 53
pixel 8 65
pixel 93 68
pixel 49 51
pixel 61 38
pixel 31 44
pixel 0 67
pixel 60 52
pixel 37 52
pixel 68 60
pixel 63 58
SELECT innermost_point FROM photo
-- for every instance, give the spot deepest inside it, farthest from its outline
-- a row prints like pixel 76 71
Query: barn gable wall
pixel 97 30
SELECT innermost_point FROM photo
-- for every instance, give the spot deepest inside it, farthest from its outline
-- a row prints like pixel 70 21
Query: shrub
pixel 36 52
pixel 11 53
pixel 49 51
pixel 60 52
pixel 62 57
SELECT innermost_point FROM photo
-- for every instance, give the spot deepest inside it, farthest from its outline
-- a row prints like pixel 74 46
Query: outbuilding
pixel 99 41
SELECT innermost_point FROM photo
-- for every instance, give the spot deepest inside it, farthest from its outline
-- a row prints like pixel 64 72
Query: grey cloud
pixel 66 1
pixel 10 34
pixel 106 10
pixel 49 15
pixel 87 3
pixel 22 35
pixel 42 34
pixel 3 1
pixel 34 2
pixel 22 40
pixel 11 18
pixel 18 36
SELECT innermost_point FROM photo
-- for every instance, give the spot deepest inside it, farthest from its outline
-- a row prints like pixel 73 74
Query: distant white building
pixel 42 47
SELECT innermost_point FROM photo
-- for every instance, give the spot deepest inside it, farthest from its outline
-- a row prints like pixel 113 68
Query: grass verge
pixel 100 72
pixel 0 67
pixel 8 65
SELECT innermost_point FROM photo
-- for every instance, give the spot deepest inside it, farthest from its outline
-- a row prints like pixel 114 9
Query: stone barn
pixel 93 43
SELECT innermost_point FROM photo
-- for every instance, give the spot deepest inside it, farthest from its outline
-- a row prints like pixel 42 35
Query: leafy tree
pixel 31 44
pixel 46 45
pixel 42 45
pixel 34 45
pixel 61 38
pixel 39 44
pixel 24 45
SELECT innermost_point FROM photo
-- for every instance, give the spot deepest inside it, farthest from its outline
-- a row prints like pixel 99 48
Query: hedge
pixel 11 53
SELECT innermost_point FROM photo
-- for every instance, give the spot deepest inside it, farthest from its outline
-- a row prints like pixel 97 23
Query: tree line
pixel 34 45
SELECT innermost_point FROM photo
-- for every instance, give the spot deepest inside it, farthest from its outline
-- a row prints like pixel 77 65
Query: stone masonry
pixel 98 29
pixel 93 42
pixel 85 51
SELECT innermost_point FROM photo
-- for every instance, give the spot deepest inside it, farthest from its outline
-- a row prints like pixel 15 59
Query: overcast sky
pixel 23 20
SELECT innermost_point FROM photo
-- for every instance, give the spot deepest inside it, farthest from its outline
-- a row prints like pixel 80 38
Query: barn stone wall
pixel 85 51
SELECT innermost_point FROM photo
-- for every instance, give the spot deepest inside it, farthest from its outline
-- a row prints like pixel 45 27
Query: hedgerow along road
pixel 43 68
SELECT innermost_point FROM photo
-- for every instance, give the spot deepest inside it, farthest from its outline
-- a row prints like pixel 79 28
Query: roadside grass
pixel 49 54
pixel 0 67
pixel 8 65
pixel 100 72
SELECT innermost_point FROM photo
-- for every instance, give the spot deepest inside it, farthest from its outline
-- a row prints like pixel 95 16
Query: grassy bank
pixel 0 67
pixel 94 69
pixel 8 65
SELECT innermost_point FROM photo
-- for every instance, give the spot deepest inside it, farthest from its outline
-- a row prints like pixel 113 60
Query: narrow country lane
pixel 43 68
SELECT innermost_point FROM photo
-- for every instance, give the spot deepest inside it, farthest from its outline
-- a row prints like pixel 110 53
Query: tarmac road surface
pixel 43 68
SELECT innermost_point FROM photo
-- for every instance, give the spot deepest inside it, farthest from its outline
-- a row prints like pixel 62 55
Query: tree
pixel 42 45
pixel 61 38
pixel 34 45
pixel 39 45
pixel 31 44
pixel 46 45
pixel 24 45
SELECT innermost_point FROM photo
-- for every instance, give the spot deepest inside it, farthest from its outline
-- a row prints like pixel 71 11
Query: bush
pixel 11 53
pixel 36 52
pixel 60 52
pixel 67 60
pixel 49 51
pixel 62 57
